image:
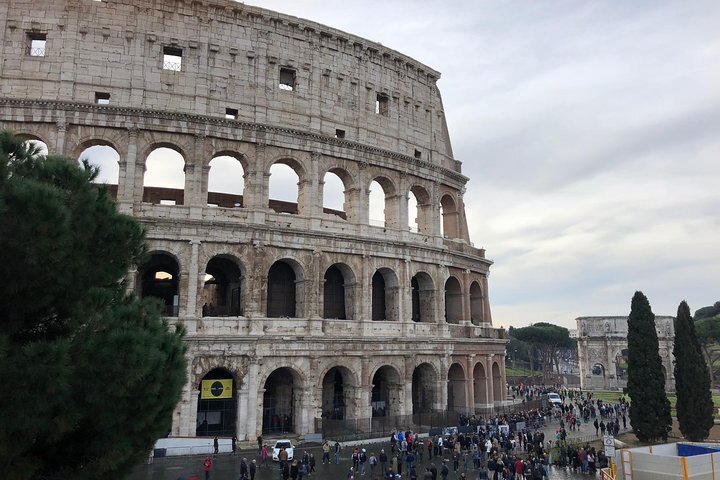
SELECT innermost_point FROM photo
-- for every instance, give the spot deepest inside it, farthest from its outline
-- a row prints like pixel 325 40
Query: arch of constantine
pixel 296 309
pixel 602 351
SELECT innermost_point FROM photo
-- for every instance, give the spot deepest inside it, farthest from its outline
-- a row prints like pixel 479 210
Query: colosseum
pixel 298 310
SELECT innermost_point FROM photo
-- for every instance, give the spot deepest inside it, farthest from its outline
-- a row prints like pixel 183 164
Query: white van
pixel 554 399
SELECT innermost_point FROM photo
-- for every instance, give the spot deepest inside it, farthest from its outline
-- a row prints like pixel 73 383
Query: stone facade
pixel 316 312
pixel 602 350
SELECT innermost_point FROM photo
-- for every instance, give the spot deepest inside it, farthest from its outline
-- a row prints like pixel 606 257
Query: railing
pixel 36 51
pixel 174 66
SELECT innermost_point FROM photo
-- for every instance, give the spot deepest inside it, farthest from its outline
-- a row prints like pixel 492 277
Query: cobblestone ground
pixel 227 466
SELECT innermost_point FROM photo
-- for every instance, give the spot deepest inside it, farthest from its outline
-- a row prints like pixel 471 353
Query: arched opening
pixel 453 300
pixel 386 392
pixel 40 146
pixel 476 304
pixel 449 217
pixel 226 182
pixel 281 291
pixel 498 387
pixel 334 194
pixel 456 389
pixel 376 204
pixel 283 190
pixel 336 394
pixel 279 402
pixel 107 160
pixel 334 294
pixel 217 405
pixel 621 363
pixel 423 216
pixel 385 302
pixel 423 301
pixel 480 384
pixel 412 209
pixel 159 278
pixel 222 290
pixel 424 386
pixel 164 181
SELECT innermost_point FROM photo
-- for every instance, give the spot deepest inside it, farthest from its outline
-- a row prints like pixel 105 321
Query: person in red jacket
pixel 207 466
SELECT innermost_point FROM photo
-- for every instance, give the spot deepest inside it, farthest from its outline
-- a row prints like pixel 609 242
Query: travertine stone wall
pixel 232 55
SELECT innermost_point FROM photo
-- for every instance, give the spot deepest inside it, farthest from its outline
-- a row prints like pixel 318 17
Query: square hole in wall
pixel 418 154
pixel 339 133
pixel 382 103
pixel 172 58
pixel 36 43
pixel 231 113
pixel 102 98
pixel 287 79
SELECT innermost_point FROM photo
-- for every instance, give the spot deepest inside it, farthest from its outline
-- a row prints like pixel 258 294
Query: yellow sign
pixel 216 389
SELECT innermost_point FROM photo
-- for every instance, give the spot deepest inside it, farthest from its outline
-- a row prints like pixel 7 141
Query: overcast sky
pixel 591 135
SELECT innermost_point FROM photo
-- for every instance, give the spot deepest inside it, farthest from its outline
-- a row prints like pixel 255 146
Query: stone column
pixel 364 408
pixel 194 174
pixel 443 383
pixel 310 197
pixel 253 413
pixel 191 309
pixel 490 381
pixel 243 413
pixel 469 386
pixel 126 193
pixel 466 315
pixel 61 130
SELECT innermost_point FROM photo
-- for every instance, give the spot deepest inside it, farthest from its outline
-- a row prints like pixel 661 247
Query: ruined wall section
pixel 232 55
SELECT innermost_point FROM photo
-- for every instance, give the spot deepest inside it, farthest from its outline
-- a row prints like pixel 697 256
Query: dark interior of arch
pixel 378 297
pixel 222 291
pixel 281 291
pixel 334 294
pixel 279 402
pixel 159 279
pixel 216 417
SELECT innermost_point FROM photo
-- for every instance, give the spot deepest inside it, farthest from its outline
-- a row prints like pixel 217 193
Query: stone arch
pixel 159 277
pixel 386 393
pixel 424 388
pixel 387 216
pixel 283 183
pixel 101 137
pixel 106 158
pixel 450 216
pixel 226 179
pixel 476 304
pixel 498 387
pixel 339 292
pixel 164 179
pixel 457 401
pixel 338 386
pixel 385 295
pixel 223 285
pixel 285 296
pixel 423 298
pixel 453 300
pixel 34 140
pixel 280 405
pixel 480 384
pixel 424 211
pixel 217 404
pixel 336 188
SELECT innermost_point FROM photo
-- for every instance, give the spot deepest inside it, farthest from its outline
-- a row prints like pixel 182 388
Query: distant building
pixel 602 351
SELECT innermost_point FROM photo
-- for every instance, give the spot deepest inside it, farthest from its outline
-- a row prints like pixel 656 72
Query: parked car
pixel 280 444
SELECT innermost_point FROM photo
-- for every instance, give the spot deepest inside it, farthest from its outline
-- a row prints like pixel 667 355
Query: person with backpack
pixel 362 457
pixel 444 470
pixel 373 463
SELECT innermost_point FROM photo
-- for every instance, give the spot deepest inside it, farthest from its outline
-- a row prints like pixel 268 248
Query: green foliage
pixel 545 342
pixel 694 401
pixel 91 375
pixel 708 312
pixel 650 408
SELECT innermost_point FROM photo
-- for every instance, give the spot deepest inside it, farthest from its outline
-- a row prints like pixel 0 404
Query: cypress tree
pixel 692 382
pixel 650 407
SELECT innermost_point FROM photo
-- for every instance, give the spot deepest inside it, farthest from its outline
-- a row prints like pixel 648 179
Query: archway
pixel 423 301
pixel 385 302
pixel 226 182
pixel 159 278
pixel 107 161
pixel 336 394
pixel 164 181
pixel 281 291
pixel 386 392
pixel 456 389
pixel 279 402
pixel 222 290
pixel 498 387
pixel 334 200
pixel 476 304
pixel 283 191
pixel 376 204
pixel 453 300
pixel 420 218
pixel 480 384
pixel 217 405
pixel 424 388
pixel 334 294
pixel 412 209
pixel 450 218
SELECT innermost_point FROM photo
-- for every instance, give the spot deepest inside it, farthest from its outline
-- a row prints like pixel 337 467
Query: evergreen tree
pixel 91 375
pixel 650 407
pixel 692 382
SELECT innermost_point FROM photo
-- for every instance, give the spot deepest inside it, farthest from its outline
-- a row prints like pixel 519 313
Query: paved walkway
pixel 227 466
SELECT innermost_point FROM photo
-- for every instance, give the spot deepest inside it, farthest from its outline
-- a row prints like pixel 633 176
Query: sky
pixel 590 132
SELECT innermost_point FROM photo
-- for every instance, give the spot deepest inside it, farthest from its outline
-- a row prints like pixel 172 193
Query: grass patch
pixel 612 397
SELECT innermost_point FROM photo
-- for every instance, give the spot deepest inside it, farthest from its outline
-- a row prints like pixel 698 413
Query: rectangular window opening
pixel 36 43
pixel 339 133
pixel 172 59
pixel 102 98
pixel 418 154
pixel 287 79
pixel 381 104
pixel 231 113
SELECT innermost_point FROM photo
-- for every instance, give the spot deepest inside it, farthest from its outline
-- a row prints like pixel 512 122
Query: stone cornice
pixel 46 105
